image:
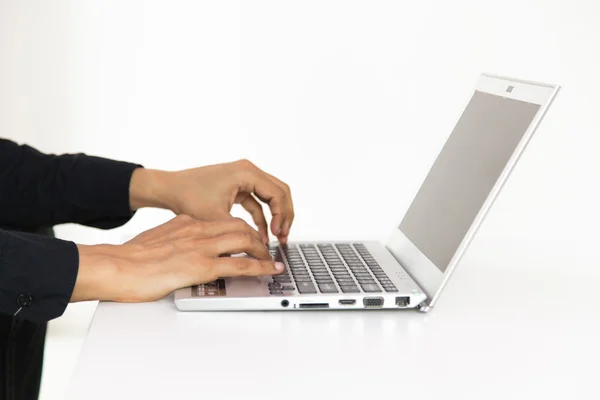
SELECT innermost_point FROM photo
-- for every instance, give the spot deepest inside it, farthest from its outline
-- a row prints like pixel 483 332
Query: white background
pixel 347 101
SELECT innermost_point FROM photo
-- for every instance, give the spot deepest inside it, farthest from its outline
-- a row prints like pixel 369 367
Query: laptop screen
pixel 464 173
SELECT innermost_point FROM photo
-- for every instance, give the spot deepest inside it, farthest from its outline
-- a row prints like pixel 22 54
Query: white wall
pixel 348 101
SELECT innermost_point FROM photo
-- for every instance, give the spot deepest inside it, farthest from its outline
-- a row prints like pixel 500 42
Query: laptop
pixel 411 269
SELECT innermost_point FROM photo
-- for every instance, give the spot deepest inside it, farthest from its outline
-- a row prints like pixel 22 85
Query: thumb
pixel 245 266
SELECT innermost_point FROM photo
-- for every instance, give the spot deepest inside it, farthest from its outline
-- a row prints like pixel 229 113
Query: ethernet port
pixel 402 301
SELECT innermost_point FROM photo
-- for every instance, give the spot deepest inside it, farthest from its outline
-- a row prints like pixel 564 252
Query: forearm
pixel 39 189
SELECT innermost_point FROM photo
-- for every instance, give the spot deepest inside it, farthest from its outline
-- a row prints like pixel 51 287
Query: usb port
pixel 347 302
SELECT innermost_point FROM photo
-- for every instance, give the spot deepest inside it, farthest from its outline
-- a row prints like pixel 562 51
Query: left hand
pixel 209 193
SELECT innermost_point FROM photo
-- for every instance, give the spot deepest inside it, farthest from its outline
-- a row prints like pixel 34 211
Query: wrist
pixel 97 274
pixel 149 188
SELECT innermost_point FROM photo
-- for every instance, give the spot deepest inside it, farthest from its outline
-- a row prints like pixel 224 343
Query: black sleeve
pixel 43 190
pixel 37 275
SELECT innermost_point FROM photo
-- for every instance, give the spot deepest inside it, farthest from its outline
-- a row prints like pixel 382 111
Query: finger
pixel 258 216
pixel 237 243
pixel 289 205
pixel 268 192
pixel 228 225
pixel 241 266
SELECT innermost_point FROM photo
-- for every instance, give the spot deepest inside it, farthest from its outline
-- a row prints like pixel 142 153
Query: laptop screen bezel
pixel 431 279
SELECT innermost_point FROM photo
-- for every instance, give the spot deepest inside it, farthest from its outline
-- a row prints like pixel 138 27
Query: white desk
pixel 498 333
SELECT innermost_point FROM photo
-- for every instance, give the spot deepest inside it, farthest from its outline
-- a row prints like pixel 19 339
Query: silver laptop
pixel 412 268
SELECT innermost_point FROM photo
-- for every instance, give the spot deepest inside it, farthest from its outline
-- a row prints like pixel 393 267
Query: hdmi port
pixel 347 302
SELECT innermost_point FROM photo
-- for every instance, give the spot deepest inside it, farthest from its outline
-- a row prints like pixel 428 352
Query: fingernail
pixel 279 266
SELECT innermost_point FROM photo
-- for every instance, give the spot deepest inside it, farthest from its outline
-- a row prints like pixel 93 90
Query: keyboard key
pixel 299 272
pixel 312 258
pixel 341 274
pixel 390 289
pixel 326 282
pixel 367 282
pixel 350 289
pixel 327 288
pixel 306 287
pixel 288 288
pixel 362 272
pixel 370 287
pixel 315 262
pixel 303 278
pixel 325 272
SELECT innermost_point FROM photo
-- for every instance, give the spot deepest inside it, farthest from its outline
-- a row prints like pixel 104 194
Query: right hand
pixel 180 253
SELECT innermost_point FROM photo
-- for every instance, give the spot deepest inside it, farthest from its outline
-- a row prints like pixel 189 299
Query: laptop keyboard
pixel 328 268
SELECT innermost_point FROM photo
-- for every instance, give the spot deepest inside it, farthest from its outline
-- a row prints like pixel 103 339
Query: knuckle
pixel 240 265
pixel 194 228
pixel 183 218
pixel 239 223
pixel 245 239
pixel 245 163
pixel 282 193
pixel 265 267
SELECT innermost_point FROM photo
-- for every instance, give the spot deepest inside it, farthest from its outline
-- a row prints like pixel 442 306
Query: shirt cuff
pixel 37 275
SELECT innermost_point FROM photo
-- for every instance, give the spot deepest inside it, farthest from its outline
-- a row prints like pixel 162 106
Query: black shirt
pixel 37 273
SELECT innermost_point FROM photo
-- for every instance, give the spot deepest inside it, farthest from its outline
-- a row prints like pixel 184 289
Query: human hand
pixel 208 193
pixel 180 253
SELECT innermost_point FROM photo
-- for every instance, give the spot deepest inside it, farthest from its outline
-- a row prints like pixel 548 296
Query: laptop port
pixel 402 301
pixel 314 305
pixel 285 303
pixel 373 302
pixel 347 302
